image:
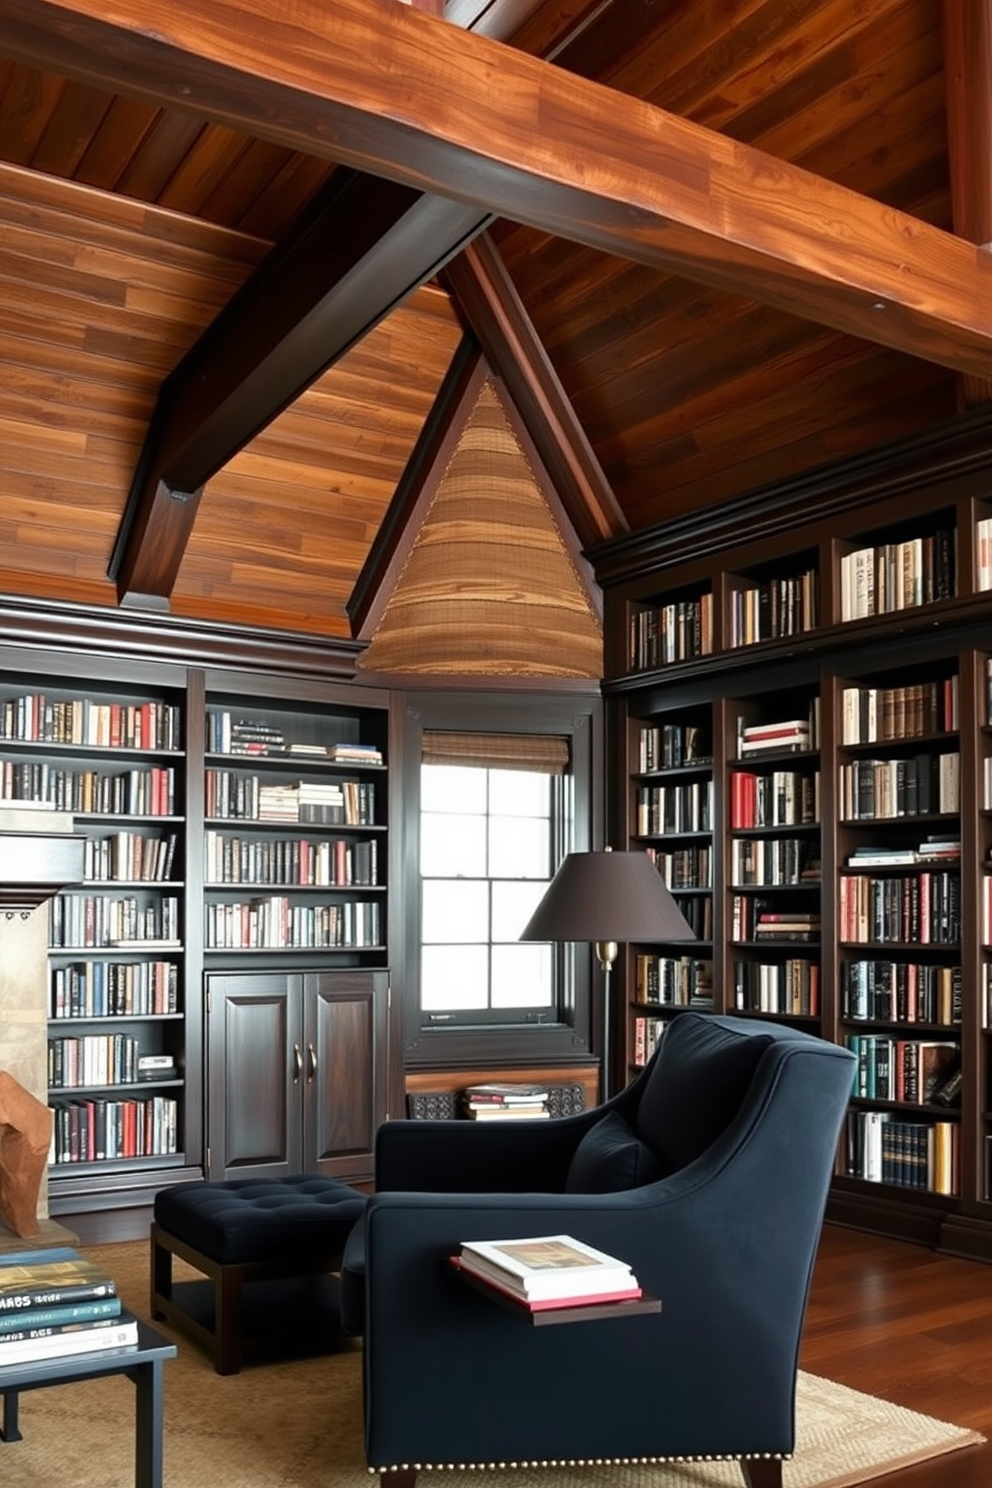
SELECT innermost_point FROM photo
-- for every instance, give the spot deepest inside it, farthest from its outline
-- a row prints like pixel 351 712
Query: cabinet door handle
pixel 297 1064
pixel 313 1061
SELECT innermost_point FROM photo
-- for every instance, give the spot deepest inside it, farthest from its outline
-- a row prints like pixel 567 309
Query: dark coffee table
pixel 141 1362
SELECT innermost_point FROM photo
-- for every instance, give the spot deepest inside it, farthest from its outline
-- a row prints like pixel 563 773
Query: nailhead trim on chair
pixel 581 1462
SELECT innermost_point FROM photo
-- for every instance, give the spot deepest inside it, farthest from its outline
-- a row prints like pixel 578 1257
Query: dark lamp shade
pixel 603 896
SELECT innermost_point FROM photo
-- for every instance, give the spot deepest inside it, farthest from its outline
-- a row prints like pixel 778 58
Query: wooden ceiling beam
pixel 362 246
pixel 388 89
pixel 490 307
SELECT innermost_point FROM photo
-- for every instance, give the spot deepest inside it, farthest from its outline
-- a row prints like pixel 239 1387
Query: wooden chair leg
pixel 403 1477
pixel 762 1472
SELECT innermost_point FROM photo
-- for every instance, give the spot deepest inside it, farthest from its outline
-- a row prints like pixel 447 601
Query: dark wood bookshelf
pixel 905 685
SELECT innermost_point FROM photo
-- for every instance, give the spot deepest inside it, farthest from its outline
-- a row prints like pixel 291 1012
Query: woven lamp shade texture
pixel 489 587
pixel 603 896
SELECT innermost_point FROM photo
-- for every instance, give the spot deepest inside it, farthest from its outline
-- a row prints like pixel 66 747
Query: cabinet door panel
pixel 345 1018
pixel 255 1076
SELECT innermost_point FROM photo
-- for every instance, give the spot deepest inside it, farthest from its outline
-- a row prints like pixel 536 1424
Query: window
pixel 494 819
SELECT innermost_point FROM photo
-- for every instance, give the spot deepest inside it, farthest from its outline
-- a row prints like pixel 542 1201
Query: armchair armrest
pixel 478 1157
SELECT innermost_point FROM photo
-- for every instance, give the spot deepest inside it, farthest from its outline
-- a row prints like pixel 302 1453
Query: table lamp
pixel 607 897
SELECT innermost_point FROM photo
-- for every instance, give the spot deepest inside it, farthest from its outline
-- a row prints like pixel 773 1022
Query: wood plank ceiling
pixel 128 224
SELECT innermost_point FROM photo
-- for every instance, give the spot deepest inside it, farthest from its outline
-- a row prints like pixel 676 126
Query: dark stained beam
pixel 490 307
pixel 362 246
pixel 968 74
pixel 431 455
pixel 400 94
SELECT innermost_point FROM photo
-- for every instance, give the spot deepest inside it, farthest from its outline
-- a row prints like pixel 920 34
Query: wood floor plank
pixel 913 1327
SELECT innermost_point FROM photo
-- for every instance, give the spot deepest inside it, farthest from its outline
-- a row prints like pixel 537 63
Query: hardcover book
pixel 548 1268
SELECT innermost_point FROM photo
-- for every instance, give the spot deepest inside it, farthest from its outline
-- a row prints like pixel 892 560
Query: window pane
pixel 452 846
pixel 519 793
pixel 522 976
pixel 519 847
pixel 513 905
pixel 452 788
pixel 454 977
pixel 455 910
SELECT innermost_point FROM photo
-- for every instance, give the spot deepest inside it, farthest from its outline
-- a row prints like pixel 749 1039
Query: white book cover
pixel 548 1266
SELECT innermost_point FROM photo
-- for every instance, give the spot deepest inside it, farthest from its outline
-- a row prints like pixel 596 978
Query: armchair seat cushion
pixel 610 1158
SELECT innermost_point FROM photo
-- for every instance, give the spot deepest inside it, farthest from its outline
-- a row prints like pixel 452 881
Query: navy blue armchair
pixel 708 1174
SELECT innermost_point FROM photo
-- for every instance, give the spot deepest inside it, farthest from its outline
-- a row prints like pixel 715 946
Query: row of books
pixel 233 797
pixel 648 1034
pixel 687 807
pixel 871 715
pixel 227 734
pixel 902 992
pixel 759 861
pixel 548 1272
pixel 275 923
pixel 791 987
pixel 129 857
pixel 114 989
pixel 918 908
pixel 139 792
pixel 673 746
pixel 780 798
pixel 33 718
pixel 96 1130
pixel 774 607
pixel 673 632
pixel 684 867
pixel 93 1059
pixel 291 861
pixel 898 575
pixel 925 1155
pixel 917 1071
pixel 55 1303
pixel 92 921
pixel 676 981
pixel 917 785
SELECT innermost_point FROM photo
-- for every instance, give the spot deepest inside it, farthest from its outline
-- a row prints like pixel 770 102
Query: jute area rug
pixel 297 1424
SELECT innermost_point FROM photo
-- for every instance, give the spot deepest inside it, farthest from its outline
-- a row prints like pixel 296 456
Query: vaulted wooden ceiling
pixel 235 268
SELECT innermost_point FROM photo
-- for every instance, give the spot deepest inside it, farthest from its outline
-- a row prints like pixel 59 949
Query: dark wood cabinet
pixel 296 1072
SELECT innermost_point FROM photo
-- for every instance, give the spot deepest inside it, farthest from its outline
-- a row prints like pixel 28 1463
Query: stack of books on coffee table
pixel 55 1302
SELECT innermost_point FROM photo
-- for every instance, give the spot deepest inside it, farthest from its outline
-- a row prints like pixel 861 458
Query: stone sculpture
pixel 25 1138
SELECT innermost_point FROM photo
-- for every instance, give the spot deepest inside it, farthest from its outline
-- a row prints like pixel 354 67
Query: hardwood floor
pixel 914 1327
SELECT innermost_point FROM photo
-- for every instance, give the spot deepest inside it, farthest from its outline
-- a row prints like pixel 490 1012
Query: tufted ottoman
pixel 245 1230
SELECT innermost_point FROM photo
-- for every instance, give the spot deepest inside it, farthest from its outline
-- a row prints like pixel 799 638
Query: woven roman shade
pixel 537 752
pixel 489 587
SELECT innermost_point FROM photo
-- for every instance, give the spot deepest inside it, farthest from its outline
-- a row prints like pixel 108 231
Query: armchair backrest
pixel 706 1069
pixel 695 1085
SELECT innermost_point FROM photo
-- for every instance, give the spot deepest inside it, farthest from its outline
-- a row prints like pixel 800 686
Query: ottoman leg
pixel 227 1319
pixel 161 1277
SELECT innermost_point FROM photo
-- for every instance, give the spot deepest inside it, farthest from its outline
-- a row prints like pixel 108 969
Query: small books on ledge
pixel 549 1271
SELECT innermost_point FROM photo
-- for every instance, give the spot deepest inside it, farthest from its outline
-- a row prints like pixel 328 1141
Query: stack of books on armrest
pixel 549 1271
pixel 54 1303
